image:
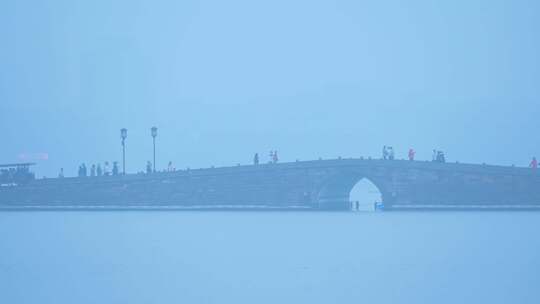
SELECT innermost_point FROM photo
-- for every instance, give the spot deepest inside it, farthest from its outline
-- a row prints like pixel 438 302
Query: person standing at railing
pixel 534 164
pixel 107 170
pixel 115 168
pixel 256 159
pixel 391 154
pixel 385 153
pixel 411 154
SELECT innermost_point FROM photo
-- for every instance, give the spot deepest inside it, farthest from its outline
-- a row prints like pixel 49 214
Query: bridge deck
pixel 316 164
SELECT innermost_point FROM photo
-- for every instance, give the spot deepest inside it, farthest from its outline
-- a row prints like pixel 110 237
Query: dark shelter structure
pixel 308 185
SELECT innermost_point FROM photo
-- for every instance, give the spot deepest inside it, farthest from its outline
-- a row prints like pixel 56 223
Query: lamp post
pixel 123 135
pixel 154 134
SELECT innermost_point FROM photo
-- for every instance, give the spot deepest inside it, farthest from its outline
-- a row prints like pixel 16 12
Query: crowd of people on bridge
pixel 15 174
pixel 437 156
pixel 273 157
pixel 388 154
pixel 95 170
pixel 105 170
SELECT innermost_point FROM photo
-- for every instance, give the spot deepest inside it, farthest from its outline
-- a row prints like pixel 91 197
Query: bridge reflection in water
pixel 311 185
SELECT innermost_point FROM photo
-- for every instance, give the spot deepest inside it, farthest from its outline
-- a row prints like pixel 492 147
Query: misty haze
pixel 269 152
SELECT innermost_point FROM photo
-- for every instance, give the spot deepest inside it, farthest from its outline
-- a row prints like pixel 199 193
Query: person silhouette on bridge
pixel 107 170
pixel 391 155
pixel 115 168
pixel 82 170
pixel 440 157
pixel 412 153
pixel 534 164
pixel 385 153
pixel 256 159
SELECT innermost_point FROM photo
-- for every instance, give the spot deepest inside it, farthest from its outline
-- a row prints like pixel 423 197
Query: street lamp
pixel 123 135
pixel 154 134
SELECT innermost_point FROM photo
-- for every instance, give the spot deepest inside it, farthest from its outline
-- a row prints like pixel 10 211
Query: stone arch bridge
pixel 311 185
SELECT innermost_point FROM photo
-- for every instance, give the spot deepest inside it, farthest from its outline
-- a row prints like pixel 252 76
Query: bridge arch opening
pixel 364 195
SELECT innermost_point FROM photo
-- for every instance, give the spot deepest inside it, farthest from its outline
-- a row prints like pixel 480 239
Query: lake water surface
pixel 269 257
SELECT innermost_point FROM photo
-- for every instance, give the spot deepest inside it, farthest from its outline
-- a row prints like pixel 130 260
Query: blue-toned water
pixel 269 257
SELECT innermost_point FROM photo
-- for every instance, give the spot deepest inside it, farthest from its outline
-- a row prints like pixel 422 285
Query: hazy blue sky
pixel 225 79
